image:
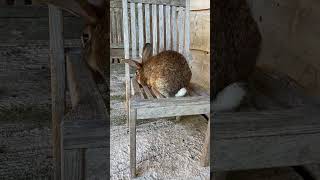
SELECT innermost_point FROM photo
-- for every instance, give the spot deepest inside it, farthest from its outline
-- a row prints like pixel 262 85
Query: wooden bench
pixel 85 125
pixel 166 25
pixel 278 127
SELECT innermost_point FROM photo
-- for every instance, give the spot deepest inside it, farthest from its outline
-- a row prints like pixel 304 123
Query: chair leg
pixel 205 154
pixel 132 133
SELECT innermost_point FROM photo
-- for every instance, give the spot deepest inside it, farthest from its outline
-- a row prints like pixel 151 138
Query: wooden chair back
pixel 163 23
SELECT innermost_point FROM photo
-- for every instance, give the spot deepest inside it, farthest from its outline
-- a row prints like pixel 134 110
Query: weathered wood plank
pixel 187 31
pixel 82 130
pixel 57 82
pixel 118 24
pixel 132 131
pixel 174 28
pixel 161 28
pixel 140 23
pixel 154 29
pixel 85 126
pixel 148 93
pixel 25 11
pixel 126 38
pixel 24 29
pixel 133 30
pixel 205 153
pixel 147 22
pixel 74 164
pixel 173 101
pixel 168 28
pixel 115 4
pixel 181 3
pixel 181 30
pixel 113 27
pixel 266 139
pixel 173 110
pixel 136 91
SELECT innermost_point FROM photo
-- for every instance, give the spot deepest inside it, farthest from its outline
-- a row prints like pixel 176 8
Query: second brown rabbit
pixel 167 72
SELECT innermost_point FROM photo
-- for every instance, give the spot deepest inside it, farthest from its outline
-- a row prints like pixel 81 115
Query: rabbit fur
pixel 167 72
pixel 95 36
pixel 235 46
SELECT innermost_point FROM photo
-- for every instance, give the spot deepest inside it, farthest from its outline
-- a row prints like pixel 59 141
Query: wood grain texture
pixel 126 38
pixel 187 31
pixel 133 30
pixel 266 139
pixel 174 28
pixel 85 126
pixel 148 92
pixel 154 29
pixel 147 22
pixel 205 153
pixel 169 107
pixel 181 3
pixel 74 163
pixel 132 132
pixel 168 28
pixel 181 30
pixel 136 91
pixel 140 28
pixel 161 28
pixel 57 82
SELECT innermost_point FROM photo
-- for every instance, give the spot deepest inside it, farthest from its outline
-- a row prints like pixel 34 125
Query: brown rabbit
pixel 167 72
pixel 95 37
pixel 235 46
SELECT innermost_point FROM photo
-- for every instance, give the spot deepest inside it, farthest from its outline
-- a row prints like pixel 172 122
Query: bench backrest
pixel 163 23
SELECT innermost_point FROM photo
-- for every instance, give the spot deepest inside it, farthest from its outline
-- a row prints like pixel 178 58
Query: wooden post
pixel 132 132
pixel 74 161
pixel 204 159
pixel 57 82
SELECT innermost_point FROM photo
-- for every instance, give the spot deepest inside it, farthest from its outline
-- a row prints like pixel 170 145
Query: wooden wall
pixel 291 38
pixel 200 41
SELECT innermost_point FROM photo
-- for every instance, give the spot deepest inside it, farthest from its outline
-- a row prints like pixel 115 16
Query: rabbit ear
pixel 132 63
pixel 77 7
pixel 147 52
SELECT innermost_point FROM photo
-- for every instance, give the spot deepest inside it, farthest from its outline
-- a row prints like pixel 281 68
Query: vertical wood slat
pixel 205 154
pixel 161 28
pixel 140 23
pixel 187 31
pixel 181 29
pixel 57 82
pixel 147 22
pixel 125 27
pixel 74 164
pixel 168 26
pixel 174 28
pixel 133 30
pixel 154 29
pixel 132 137
pixel 119 29
pixel 113 26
